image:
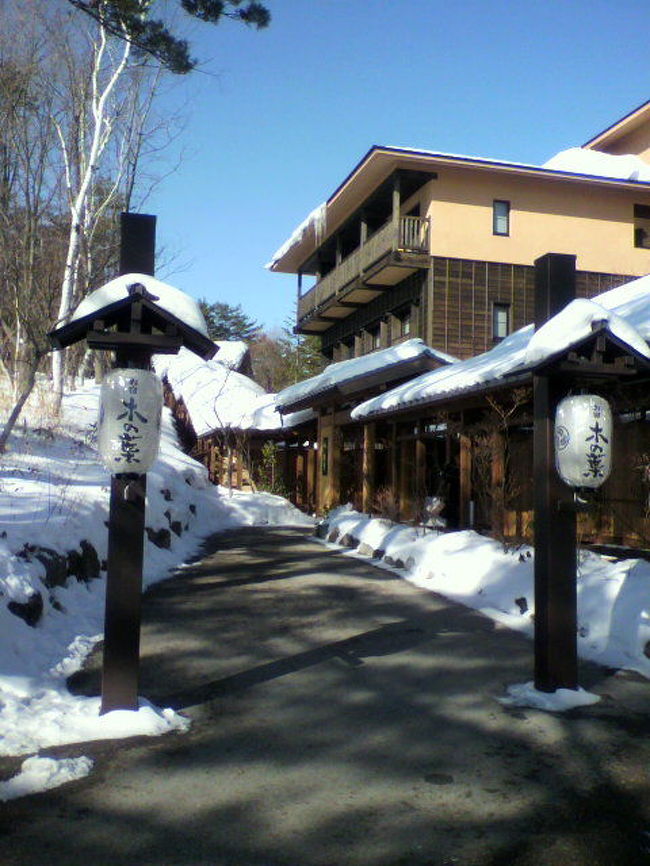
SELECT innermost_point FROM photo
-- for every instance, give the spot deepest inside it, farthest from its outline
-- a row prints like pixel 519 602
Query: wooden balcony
pixel 387 257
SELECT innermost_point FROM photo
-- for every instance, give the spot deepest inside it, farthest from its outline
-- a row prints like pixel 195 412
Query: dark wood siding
pixel 464 292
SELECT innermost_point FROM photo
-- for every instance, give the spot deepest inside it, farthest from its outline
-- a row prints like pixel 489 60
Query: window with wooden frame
pixel 404 322
pixel 374 338
pixel 500 217
pixel 500 320
pixel 642 226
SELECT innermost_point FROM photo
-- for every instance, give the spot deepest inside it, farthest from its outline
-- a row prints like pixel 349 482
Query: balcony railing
pixel 411 235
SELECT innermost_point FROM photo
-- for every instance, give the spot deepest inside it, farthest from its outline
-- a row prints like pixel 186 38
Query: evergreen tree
pixel 129 19
pixel 302 354
pixel 226 322
pixel 286 358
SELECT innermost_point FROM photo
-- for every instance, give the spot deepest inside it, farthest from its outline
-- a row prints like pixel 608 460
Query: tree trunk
pixel 18 407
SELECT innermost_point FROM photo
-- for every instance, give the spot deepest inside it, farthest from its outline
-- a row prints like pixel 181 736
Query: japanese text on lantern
pixel 130 417
pixel 596 444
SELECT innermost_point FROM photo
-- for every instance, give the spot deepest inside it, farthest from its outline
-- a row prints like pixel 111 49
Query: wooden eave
pixel 367 384
pixel 618 361
pixel 631 121
pixel 95 327
pixel 296 431
pixel 380 162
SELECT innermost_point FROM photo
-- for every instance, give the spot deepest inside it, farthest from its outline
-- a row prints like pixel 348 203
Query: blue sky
pixel 278 118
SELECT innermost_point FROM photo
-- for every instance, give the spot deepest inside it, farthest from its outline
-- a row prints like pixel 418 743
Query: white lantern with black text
pixel 583 440
pixel 128 431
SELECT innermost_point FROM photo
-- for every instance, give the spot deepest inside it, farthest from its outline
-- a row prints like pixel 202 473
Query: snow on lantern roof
pixel 344 374
pixel 168 298
pixel 624 313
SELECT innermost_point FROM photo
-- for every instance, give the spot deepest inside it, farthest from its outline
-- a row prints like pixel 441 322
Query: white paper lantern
pixel 128 431
pixel 583 440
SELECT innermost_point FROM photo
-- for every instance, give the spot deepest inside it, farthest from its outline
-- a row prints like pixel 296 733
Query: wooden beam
pixel 465 480
pixel 420 468
pixel 368 490
pixel 556 661
pixel 498 470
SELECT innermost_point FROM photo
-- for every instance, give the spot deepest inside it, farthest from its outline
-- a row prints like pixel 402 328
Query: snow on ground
pixel 481 573
pixel 54 497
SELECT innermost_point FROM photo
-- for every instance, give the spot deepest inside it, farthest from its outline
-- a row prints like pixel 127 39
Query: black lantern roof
pixel 135 323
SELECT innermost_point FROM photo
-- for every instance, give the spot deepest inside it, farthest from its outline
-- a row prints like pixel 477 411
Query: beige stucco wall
pixel 547 215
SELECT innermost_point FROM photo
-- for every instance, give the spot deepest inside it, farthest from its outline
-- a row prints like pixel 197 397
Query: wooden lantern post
pixel 556 660
pixel 135 328
pixel 599 360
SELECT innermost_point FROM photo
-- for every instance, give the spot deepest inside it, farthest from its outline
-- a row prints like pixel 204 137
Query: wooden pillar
pixel 368 490
pixel 420 470
pixel 312 479
pixel 396 200
pixel 556 655
pixel 498 470
pixel 329 444
pixel 393 458
pixel 406 479
pixel 556 659
pixel 335 468
pixel 363 229
pixel 121 656
pixel 465 480
pixel 239 468
pixel 384 333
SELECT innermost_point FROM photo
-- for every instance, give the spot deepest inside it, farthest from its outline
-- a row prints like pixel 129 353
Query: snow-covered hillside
pixel 54 498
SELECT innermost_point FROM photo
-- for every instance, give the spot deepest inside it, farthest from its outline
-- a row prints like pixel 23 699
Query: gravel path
pixel 342 717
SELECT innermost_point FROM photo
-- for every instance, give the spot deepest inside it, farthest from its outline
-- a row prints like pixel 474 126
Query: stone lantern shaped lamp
pixel 135 316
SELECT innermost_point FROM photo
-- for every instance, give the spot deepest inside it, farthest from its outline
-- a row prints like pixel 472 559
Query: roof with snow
pixel 217 397
pixel 345 378
pixel 168 318
pixel 622 313
pixel 232 353
pixel 180 305
pixel 577 165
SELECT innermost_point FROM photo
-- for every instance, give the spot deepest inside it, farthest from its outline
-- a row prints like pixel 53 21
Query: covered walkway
pixel 342 717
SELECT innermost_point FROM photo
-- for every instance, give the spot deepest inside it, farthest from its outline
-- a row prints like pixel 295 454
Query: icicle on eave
pixel 317 218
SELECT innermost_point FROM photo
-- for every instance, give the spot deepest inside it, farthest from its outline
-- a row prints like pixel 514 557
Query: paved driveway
pixel 342 717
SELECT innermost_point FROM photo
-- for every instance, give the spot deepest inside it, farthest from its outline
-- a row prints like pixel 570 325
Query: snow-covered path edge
pixel 498 581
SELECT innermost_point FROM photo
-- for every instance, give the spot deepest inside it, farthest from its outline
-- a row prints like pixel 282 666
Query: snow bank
pixel 54 496
pixel 613 597
pixel 40 774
